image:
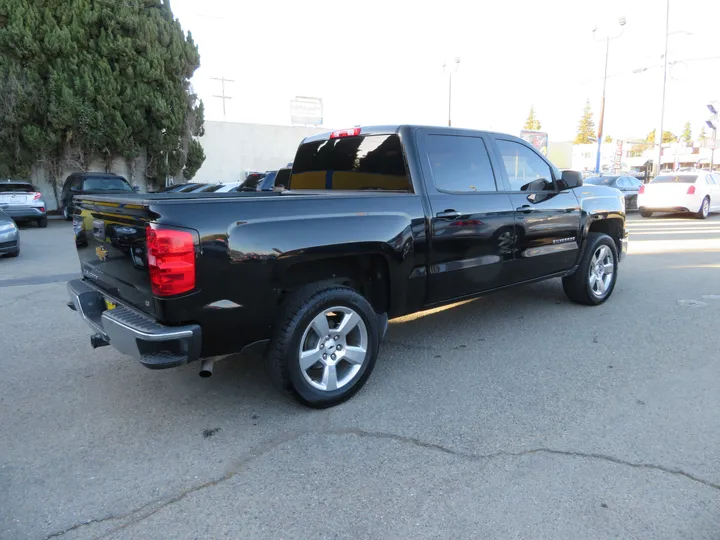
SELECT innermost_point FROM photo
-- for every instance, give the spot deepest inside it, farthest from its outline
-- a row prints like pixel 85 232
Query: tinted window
pixel 460 164
pixel 16 188
pixel 106 184
pixel 675 179
pixel 525 169
pixel 282 178
pixel 369 162
pixel 600 180
pixel 213 188
pixel 252 182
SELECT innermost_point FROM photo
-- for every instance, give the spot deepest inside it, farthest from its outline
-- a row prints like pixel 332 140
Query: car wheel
pixel 594 280
pixel 324 346
pixel 66 214
pixel 704 211
pixel 646 213
pixel 42 222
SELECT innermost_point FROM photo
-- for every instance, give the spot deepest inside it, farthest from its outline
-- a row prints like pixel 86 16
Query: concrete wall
pixel 231 148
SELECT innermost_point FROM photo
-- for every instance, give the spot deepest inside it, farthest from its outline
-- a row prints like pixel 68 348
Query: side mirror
pixel 136 189
pixel 74 189
pixel 570 180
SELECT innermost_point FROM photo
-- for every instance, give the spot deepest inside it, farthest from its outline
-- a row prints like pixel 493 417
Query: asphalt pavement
pixel 518 415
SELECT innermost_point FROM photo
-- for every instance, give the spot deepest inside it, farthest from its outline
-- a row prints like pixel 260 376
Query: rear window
pixel 600 181
pixel 675 179
pixel 106 184
pixel 16 188
pixel 367 162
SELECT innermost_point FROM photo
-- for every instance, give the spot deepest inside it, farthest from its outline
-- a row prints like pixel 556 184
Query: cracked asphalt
pixel 518 415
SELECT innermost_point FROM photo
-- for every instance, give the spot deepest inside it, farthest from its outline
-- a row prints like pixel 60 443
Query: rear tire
pixel 704 211
pixel 646 213
pixel 42 222
pixel 594 280
pixel 296 343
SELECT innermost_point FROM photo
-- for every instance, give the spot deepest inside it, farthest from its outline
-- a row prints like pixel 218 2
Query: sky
pixel 381 61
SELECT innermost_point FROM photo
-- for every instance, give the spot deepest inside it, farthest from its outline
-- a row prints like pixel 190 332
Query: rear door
pixel 472 219
pixel 547 218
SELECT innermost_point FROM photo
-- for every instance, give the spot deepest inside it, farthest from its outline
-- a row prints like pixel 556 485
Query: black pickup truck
pixel 379 222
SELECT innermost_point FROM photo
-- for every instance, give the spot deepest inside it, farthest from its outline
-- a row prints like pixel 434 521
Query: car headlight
pixel 5 227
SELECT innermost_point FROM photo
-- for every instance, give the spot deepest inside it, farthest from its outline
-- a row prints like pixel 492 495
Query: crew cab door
pixel 471 224
pixel 547 218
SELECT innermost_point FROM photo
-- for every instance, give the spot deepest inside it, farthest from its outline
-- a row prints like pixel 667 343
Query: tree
pixel 608 139
pixel 668 137
pixel 703 135
pixel 96 78
pixel 532 123
pixel 586 127
pixel 687 134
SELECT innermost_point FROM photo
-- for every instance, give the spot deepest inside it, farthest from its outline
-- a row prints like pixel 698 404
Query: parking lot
pixel 518 415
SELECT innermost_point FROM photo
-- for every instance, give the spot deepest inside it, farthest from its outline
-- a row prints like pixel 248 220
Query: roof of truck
pixel 395 128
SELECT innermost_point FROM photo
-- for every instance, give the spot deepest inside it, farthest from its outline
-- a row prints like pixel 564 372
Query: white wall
pixel 231 148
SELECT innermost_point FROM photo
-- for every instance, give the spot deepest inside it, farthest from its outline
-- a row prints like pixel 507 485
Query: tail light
pixel 691 190
pixel 353 132
pixel 171 260
pixel 36 196
pixel 641 190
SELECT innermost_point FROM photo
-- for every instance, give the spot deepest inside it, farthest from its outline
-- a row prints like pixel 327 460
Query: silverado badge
pixel 101 253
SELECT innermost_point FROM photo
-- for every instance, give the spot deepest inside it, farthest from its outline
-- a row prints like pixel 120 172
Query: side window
pixel 622 182
pixel 460 164
pixel 525 169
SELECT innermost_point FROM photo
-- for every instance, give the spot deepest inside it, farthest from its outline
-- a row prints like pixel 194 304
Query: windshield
pixel 252 182
pixel 106 184
pixel 675 179
pixel 601 180
pixel 16 188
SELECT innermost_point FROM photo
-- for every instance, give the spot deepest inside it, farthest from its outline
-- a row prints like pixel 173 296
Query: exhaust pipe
pixel 206 367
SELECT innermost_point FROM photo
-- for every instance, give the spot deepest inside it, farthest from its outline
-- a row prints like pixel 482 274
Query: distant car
pixel 23 202
pixel 697 192
pixel 84 183
pixel 628 185
pixel 9 236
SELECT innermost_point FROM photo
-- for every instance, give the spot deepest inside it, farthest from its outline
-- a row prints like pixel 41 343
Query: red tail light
pixel 641 190
pixel 171 260
pixel 36 196
pixel 353 132
pixel 691 190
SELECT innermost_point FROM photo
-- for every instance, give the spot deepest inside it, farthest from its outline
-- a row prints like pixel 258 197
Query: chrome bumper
pixel 132 333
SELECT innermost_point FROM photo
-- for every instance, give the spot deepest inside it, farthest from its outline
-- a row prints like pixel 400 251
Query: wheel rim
pixel 706 208
pixel 602 269
pixel 333 348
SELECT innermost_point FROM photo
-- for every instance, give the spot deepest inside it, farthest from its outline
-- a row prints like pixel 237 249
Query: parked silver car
pixel 22 202
pixel 9 236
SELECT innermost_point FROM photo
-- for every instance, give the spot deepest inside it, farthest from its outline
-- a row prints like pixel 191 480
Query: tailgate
pixel 111 245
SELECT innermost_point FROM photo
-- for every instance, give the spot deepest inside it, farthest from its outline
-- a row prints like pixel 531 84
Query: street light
pixel 712 124
pixel 451 68
pixel 621 22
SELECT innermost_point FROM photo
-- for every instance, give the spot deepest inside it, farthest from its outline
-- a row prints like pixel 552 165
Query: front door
pixel 547 219
pixel 472 223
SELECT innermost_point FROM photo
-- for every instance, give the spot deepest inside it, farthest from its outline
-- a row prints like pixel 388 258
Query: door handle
pixel 525 209
pixel 448 214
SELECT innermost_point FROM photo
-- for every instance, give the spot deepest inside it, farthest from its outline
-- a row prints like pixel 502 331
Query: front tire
pixel 594 280
pixel 13 254
pixel 325 345
pixel 646 213
pixel 704 211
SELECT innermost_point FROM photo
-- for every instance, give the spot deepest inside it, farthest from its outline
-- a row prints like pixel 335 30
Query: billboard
pixel 306 111
pixel 539 139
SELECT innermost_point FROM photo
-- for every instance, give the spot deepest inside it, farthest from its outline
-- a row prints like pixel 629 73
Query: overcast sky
pixel 380 61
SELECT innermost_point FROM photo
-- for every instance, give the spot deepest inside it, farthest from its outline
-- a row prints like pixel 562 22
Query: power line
pixel 224 97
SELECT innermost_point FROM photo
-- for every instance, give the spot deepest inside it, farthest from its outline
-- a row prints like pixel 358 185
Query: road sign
pixel 306 110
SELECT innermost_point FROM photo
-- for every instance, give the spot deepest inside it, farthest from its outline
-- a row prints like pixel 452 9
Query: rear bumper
pixel 132 333
pixel 685 203
pixel 25 212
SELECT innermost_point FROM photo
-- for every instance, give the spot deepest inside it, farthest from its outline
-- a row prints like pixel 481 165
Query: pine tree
pixel 608 139
pixel 703 135
pixel 532 123
pixel 687 134
pixel 96 77
pixel 668 137
pixel 586 127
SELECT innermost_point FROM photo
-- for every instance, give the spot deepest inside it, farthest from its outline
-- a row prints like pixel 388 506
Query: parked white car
pixel 697 192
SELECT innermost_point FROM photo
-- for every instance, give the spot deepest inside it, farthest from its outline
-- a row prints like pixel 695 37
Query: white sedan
pixel 697 192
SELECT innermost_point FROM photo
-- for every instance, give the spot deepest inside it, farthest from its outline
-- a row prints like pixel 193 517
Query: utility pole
pixel 224 97
pixel 659 136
